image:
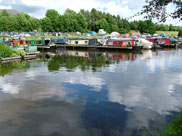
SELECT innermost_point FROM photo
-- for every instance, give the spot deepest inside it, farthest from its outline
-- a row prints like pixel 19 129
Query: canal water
pixel 79 93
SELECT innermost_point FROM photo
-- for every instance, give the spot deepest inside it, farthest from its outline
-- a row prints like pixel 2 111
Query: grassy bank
pixel 171 33
pixel 6 51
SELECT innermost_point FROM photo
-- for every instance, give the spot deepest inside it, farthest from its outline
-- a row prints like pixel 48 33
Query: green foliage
pixel 147 27
pixel 46 25
pixel 160 11
pixel 21 53
pixel 175 127
pixel 83 21
pixel 102 24
pixel 134 25
pixel 18 23
pixel 53 15
pixel 172 33
pixel 5 51
pixel 5 13
pixel 180 33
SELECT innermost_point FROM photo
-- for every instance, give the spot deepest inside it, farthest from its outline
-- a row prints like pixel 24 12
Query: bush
pixel 21 53
pixel 5 51
pixel 180 33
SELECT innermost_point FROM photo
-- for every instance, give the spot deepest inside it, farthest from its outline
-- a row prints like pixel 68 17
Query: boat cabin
pixel 78 42
pixel 124 42
pixel 93 42
pixel 60 41
pixel 154 40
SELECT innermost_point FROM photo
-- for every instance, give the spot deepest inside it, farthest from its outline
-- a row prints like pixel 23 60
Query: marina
pixel 91 68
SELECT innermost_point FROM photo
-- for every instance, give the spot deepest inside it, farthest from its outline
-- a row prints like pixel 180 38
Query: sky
pixel 38 8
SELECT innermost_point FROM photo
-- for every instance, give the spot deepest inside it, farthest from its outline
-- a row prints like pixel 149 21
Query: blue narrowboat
pixel 61 41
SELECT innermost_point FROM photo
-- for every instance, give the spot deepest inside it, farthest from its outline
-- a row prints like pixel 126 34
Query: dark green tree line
pixel 82 21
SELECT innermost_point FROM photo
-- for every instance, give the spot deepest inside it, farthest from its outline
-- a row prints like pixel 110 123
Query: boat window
pixel 86 42
pixel 47 42
pixel 76 42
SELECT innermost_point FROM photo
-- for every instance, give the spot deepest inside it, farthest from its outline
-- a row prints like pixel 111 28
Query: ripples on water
pixel 79 93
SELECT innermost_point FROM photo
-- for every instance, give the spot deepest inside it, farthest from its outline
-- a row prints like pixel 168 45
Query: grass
pixel 171 33
pixel 133 31
pixel 6 51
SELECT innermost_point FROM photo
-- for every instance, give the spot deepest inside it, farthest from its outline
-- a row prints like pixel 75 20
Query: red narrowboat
pixel 164 41
pixel 154 40
pixel 125 42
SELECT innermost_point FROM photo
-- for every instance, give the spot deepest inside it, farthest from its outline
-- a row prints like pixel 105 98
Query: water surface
pixel 79 93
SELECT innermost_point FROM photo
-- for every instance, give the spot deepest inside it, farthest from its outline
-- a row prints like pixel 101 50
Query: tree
pixel 53 15
pixel 35 24
pixel 158 9
pixel 142 26
pixel 171 28
pixel 5 13
pixel 81 23
pixel 3 23
pixel 88 18
pixel 102 24
pixel 71 22
pixel 147 27
pixel 151 27
pixel 13 24
pixel 24 23
pixel 46 25
pixel 126 25
pixel 134 25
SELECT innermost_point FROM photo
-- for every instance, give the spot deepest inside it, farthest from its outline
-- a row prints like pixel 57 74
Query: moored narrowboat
pixel 44 43
pixel 124 42
pixel 154 40
pixel 168 42
pixel 19 44
pixel 94 42
pixel 31 46
pixel 144 43
pixel 60 41
pixel 78 42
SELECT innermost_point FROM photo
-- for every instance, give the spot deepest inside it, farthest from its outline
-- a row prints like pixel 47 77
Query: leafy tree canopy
pixel 158 9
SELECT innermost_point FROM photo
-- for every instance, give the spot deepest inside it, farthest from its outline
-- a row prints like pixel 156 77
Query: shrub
pixel 5 51
pixel 180 33
pixel 21 53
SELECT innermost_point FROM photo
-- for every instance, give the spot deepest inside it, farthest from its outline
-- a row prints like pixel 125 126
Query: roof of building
pixel 11 11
